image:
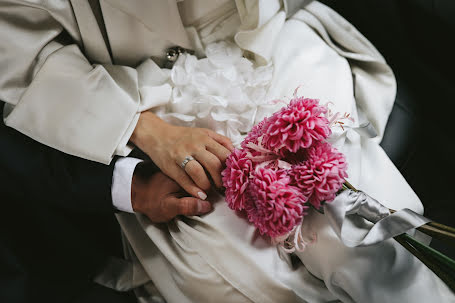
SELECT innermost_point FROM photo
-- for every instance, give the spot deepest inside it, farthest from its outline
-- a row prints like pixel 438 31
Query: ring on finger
pixel 185 161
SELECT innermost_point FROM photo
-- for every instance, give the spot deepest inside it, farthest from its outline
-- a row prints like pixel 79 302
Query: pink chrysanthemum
pixel 322 175
pixel 275 207
pixel 296 126
pixel 235 178
pixel 255 133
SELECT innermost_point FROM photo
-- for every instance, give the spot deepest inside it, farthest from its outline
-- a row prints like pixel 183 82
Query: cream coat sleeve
pixel 53 93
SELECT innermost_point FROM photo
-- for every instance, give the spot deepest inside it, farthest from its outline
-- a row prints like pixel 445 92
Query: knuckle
pixel 183 207
pixel 188 146
pixel 223 156
pixel 216 164
pixel 207 138
pixel 174 153
pixel 187 207
pixel 199 133
pixel 198 148
pixel 192 207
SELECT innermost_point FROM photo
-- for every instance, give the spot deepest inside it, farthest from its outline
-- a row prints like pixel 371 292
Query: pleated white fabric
pixel 220 257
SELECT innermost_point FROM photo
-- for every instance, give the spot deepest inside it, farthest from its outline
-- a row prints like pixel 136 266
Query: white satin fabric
pixel 220 257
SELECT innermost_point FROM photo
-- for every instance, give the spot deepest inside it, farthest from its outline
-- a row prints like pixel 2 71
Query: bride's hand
pixel 168 145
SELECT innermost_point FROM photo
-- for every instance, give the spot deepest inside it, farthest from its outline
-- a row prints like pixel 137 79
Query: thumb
pixel 189 206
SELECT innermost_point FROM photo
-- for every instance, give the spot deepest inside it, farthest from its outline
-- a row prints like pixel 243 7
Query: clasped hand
pixel 168 145
pixel 161 199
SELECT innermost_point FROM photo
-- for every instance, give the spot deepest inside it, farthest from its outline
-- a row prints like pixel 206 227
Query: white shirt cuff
pixel 121 183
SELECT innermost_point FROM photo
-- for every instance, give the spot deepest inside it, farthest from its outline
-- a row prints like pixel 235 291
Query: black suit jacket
pixel 57 223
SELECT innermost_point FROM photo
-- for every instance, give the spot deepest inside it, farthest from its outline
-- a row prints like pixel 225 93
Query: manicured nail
pixel 202 195
pixel 203 206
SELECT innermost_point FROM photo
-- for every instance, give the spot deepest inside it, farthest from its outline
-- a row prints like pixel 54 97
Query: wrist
pixel 147 125
pixel 150 132
pixel 139 133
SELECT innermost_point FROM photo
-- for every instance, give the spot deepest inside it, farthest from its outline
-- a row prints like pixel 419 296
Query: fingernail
pixel 202 195
pixel 203 207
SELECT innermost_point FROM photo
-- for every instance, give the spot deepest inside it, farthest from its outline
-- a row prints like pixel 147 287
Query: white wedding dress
pixel 220 257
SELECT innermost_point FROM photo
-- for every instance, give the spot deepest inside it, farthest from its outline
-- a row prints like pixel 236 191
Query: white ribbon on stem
pixel 342 213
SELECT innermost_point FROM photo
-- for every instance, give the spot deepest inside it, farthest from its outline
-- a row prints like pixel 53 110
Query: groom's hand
pixel 161 199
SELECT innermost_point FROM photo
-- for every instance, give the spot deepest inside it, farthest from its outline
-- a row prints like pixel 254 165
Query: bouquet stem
pixel 440 264
pixel 445 276
pixel 433 229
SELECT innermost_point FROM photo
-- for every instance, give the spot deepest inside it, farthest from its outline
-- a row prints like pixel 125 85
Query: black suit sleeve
pixel 32 171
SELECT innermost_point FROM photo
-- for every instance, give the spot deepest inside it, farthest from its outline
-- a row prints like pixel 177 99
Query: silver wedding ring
pixel 185 162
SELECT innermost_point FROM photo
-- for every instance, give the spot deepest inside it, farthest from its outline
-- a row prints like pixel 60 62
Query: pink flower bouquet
pixel 284 166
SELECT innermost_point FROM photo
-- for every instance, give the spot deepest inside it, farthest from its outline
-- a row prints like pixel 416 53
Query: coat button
pixel 172 55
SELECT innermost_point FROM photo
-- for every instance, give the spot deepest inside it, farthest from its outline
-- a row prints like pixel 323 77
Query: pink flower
pixel 322 175
pixel 255 133
pixel 296 126
pixel 274 206
pixel 235 178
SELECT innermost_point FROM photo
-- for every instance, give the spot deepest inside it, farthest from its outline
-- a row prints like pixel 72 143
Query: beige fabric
pixel 87 16
pixel 71 98
pixel 197 12
pixel 141 29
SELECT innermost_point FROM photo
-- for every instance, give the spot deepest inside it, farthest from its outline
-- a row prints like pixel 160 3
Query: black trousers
pixel 57 224
pixel 50 255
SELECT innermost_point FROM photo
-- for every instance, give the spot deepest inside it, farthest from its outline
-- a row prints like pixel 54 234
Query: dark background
pixel 417 38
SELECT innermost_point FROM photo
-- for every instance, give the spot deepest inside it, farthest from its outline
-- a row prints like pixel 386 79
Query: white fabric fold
pixel 261 27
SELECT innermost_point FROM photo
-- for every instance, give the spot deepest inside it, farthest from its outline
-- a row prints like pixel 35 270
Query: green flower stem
pixel 440 264
pixel 431 252
pixel 445 277
pixel 437 233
